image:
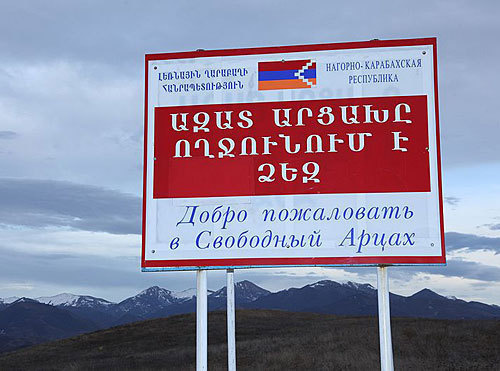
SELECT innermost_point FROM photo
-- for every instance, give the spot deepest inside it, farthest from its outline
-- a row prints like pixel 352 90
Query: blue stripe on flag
pixel 309 74
pixel 277 75
pixel 285 75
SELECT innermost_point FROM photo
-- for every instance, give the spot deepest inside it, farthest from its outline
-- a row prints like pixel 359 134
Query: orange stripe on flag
pixel 284 84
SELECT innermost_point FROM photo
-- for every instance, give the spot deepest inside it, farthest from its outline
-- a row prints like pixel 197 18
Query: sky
pixel 71 124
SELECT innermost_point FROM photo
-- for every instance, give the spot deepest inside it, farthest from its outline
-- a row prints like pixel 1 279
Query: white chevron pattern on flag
pixel 300 72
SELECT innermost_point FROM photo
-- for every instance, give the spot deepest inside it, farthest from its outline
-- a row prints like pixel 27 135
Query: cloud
pixel 472 270
pixel 79 122
pixel 493 226
pixel 453 201
pixel 113 278
pixel 7 134
pixel 457 241
pixel 103 45
pixel 73 270
pixel 46 203
pixel 454 268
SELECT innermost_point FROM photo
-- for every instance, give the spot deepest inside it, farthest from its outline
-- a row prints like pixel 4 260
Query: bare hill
pixel 272 340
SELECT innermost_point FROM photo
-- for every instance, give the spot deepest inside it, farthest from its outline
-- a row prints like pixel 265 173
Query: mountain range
pixel 25 321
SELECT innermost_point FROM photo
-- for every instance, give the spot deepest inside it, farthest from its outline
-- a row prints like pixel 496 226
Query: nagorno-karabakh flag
pixel 287 75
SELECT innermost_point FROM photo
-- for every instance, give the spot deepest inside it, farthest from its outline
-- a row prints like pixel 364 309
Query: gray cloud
pixel 468 269
pixel 43 203
pixel 493 226
pixel 108 40
pixel 7 134
pixel 101 276
pixel 453 201
pixel 456 241
pixel 453 268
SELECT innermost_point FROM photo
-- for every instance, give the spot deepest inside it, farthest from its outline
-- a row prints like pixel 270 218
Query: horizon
pixel 213 290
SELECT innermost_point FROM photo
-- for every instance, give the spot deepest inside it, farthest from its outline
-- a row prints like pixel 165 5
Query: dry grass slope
pixel 271 340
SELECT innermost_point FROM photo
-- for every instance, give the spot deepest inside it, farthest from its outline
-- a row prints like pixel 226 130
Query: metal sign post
pixel 231 327
pixel 384 320
pixel 201 320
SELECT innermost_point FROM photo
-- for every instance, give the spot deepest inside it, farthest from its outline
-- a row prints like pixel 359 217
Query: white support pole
pixel 384 320
pixel 231 326
pixel 201 321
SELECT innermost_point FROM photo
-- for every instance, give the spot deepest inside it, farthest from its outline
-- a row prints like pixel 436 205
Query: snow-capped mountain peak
pixel 185 294
pixel 71 300
pixel 157 292
pixel 322 283
pixel 9 300
pixel 346 284
pixel 24 300
pixel 249 290
pixel 358 286
pixel 244 291
pixel 60 299
pixel 153 298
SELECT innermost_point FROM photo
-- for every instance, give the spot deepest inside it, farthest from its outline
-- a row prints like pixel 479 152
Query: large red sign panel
pixel 364 145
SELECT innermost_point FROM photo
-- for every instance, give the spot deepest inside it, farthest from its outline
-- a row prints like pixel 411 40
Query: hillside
pixel 272 340
pixel 27 322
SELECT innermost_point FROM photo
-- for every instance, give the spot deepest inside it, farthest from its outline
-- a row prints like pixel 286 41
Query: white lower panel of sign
pixel 341 225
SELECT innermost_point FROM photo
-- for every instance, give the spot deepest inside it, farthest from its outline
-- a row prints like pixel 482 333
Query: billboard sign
pixel 284 156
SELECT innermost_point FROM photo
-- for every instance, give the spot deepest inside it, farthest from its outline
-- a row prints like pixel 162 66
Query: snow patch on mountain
pixel 154 294
pixel 24 300
pixel 347 284
pixel 9 300
pixel 153 298
pixel 323 283
pixel 358 286
pixel 185 294
pixel 72 300
pixel 61 299
pixel 250 291
pixel 157 292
